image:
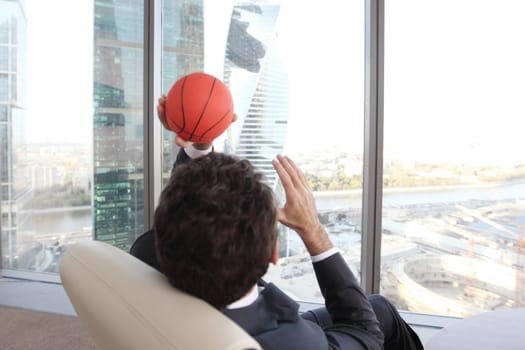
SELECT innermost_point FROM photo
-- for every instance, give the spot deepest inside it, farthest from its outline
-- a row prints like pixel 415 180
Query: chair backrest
pixel 126 304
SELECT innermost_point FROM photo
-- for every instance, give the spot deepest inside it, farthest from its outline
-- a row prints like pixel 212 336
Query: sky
pixel 60 71
pixel 454 76
pixel 324 46
pixel 454 80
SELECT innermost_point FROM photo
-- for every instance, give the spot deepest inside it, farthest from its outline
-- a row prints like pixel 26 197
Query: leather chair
pixel 126 304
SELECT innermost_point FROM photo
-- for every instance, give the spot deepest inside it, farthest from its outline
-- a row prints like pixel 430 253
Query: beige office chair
pixel 126 304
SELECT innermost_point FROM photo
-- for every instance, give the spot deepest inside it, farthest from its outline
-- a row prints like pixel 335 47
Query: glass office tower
pixel 257 76
pixel 253 69
pixel 182 53
pixel 15 189
pixel 118 190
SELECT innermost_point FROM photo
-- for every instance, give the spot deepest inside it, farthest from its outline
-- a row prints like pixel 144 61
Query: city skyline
pixel 73 106
pixel 257 77
pixel 89 91
pixel 118 167
pixel 79 61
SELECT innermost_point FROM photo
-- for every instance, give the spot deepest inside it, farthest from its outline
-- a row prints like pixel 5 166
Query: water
pixel 394 197
pixel 59 222
pixel 67 221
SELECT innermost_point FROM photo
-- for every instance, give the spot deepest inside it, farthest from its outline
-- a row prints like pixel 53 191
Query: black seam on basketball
pixel 177 126
pixel 182 105
pixel 214 125
pixel 203 109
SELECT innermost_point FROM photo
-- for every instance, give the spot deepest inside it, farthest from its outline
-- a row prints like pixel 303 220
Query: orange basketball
pixel 199 107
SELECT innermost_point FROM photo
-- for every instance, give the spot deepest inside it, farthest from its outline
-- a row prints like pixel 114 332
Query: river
pixel 429 195
pixel 76 220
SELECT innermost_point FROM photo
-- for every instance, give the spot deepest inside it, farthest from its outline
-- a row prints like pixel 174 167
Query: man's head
pixel 215 228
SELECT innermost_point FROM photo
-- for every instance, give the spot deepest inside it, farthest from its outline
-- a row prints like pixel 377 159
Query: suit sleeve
pixel 182 157
pixel 352 315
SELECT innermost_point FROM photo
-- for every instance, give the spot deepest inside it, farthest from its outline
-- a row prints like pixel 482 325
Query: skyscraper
pixel 118 186
pixel 253 71
pixel 257 77
pixel 118 189
pixel 15 188
pixel 182 53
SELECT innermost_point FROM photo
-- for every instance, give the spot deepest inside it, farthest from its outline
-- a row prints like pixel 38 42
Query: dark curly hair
pixel 215 228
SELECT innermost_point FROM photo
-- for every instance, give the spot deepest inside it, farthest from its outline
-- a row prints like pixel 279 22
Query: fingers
pixel 161 111
pixel 284 176
pixel 295 175
pixel 179 141
pixel 298 172
pixel 161 106
pixel 299 211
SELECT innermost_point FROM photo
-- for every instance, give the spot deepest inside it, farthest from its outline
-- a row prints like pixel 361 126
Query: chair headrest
pixel 126 304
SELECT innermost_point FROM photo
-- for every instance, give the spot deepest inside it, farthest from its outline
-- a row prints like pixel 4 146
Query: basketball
pixel 199 107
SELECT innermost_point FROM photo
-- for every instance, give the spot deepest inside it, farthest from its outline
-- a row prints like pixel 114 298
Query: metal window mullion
pixel 152 128
pixel 373 147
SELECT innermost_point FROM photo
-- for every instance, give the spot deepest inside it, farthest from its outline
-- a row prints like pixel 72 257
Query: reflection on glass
pixel 15 189
pixel 182 53
pixel 70 127
pixel 454 185
pixel 118 181
pixel 255 72
pixel 297 89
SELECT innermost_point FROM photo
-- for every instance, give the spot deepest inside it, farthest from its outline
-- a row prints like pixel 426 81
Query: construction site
pixel 470 258
pixel 456 259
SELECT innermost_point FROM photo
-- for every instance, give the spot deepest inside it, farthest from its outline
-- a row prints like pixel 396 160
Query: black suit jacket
pixel 274 321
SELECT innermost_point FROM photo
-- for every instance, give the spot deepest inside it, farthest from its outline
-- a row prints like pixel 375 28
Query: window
pixel 72 132
pixel 71 148
pixel 454 180
pixel 4 83
pixel 4 58
pixel 291 97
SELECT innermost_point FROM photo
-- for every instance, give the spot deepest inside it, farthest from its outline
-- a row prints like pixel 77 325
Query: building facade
pixel 15 188
pixel 257 76
pixel 182 53
pixel 118 185
pixel 118 188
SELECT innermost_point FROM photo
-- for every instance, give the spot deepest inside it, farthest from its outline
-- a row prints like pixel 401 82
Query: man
pixel 144 246
pixel 216 233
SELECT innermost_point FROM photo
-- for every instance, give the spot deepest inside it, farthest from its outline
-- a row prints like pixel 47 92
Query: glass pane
pixel 182 53
pixel 71 154
pixel 118 179
pixel 454 180
pixel 298 89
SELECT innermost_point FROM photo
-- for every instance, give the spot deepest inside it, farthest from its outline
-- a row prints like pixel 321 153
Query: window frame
pixel 373 138
pixel 371 221
pixel 371 228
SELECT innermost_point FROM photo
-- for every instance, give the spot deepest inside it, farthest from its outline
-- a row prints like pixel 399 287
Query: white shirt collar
pixel 193 153
pixel 246 300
